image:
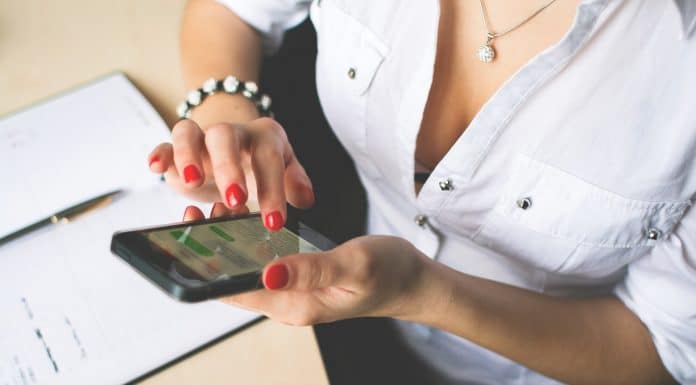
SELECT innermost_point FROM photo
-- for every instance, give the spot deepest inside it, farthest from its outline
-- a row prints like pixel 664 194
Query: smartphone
pixel 199 260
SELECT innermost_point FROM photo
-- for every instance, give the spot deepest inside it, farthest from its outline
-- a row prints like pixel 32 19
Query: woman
pixel 551 239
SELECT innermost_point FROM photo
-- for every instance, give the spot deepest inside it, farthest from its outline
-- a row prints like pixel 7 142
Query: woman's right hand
pixel 230 162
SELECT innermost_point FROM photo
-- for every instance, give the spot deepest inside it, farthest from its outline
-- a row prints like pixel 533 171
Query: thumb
pixel 302 272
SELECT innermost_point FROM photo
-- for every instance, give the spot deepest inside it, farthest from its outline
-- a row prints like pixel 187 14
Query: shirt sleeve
pixel 270 17
pixel 660 288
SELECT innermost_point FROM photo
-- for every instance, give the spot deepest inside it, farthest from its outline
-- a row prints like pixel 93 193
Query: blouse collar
pixel 687 13
pixel 687 10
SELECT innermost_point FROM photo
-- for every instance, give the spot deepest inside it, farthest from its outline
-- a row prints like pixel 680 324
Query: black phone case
pixel 122 244
pixel 183 293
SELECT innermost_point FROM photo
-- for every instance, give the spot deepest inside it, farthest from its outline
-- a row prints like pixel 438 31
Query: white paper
pixel 101 321
pixel 70 311
pixel 73 147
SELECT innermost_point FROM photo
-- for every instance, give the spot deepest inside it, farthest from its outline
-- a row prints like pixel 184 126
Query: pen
pixel 65 216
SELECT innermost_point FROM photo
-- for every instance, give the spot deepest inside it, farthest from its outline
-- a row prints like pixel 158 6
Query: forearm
pixel 578 341
pixel 216 43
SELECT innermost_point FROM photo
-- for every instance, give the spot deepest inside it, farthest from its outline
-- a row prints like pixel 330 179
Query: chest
pixel 461 83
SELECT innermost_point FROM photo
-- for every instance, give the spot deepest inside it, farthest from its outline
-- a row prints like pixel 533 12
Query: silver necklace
pixel 486 53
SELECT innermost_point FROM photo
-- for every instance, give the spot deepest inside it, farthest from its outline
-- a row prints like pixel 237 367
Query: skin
pixel 461 32
pixel 577 341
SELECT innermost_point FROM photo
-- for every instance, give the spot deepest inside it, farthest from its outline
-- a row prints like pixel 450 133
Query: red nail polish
pixel 154 159
pixel 235 195
pixel 276 277
pixel 185 214
pixel 274 221
pixel 191 174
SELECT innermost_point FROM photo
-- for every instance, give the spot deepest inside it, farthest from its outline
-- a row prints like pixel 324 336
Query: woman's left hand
pixel 367 276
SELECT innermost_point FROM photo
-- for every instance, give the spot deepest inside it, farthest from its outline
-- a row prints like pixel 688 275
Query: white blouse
pixel 576 178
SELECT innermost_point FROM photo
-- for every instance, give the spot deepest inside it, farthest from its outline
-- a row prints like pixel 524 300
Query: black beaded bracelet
pixel 230 85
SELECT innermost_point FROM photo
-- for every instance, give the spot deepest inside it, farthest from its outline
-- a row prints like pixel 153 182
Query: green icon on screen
pixel 188 241
pixel 221 233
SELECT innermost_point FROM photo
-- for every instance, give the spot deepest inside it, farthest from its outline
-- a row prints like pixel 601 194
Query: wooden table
pixel 49 46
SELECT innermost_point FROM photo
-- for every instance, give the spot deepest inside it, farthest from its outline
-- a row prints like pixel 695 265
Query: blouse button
pixel 445 185
pixel 421 220
pixel 524 203
pixel 654 234
pixel 351 73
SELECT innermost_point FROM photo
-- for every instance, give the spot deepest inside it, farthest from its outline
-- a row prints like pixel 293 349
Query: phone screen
pixel 225 249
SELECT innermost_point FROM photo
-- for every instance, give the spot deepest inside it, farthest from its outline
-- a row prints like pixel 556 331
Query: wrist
pixel 223 107
pixel 433 295
pixel 423 294
pixel 230 85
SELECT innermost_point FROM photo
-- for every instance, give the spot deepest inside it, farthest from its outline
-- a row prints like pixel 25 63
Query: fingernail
pixel 191 174
pixel 274 221
pixel 154 159
pixel 235 195
pixel 276 276
pixel 185 214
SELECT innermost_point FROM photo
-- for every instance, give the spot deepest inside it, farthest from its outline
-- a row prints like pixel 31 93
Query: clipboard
pixel 73 313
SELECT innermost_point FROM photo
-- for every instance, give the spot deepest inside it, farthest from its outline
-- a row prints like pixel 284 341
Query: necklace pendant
pixel 486 53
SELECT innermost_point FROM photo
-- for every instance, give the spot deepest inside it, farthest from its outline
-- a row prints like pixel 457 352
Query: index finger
pixel 222 141
pixel 268 161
